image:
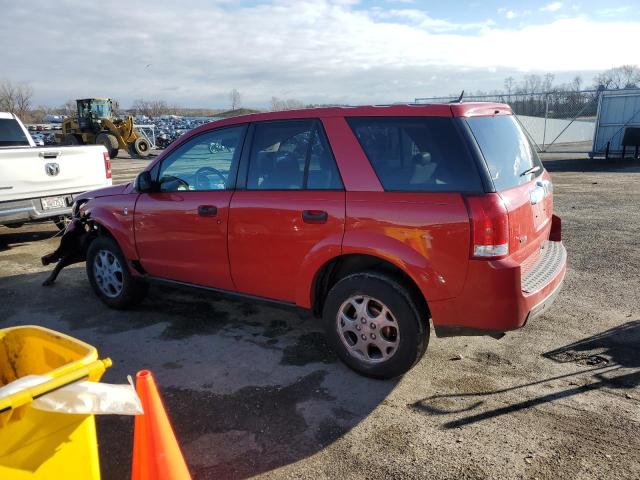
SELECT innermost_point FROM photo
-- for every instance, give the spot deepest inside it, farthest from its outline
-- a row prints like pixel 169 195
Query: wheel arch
pixel 343 265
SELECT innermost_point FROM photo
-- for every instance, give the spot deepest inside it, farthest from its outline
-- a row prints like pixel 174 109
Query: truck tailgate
pixel 39 172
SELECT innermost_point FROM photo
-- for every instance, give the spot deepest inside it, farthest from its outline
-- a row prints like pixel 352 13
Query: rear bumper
pixel 21 211
pixel 498 296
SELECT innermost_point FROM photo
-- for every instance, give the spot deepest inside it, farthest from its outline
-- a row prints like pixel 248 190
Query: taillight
pixel 489 226
pixel 107 164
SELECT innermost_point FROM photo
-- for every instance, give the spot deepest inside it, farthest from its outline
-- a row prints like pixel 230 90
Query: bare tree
pixel 629 76
pixel 69 108
pixel 16 98
pixel 547 84
pixel 624 76
pixel 235 98
pixel 576 83
pixel 509 83
pixel 289 104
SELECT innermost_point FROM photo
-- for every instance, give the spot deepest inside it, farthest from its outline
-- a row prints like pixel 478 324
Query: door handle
pixel 314 216
pixel 207 211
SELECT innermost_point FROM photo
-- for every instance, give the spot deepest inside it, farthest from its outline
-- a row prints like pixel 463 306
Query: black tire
pixel 133 290
pixel 109 141
pixel 141 147
pixel 62 221
pixel 72 140
pixel 412 328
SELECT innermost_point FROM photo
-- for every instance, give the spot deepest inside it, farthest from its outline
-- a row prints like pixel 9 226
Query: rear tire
pixel 141 147
pixel 110 277
pixel 71 140
pixel 374 325
pixel 109 141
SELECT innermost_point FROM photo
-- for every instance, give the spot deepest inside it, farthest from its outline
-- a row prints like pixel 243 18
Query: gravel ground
pixel 253 390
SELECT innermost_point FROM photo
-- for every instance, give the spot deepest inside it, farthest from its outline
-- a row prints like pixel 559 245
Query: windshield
pixel 506 150
pixel 11 135
pixel 101 109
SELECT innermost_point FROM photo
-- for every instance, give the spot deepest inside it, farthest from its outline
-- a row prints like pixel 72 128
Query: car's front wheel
pixel 110 277
pixel 374 325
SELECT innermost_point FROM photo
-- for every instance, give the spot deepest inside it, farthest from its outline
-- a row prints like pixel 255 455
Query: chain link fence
pixel 560 121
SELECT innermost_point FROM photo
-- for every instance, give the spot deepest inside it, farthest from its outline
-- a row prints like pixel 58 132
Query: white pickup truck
pixel 40 183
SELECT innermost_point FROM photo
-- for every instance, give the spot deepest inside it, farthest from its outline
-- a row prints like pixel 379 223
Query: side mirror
pixel 144 183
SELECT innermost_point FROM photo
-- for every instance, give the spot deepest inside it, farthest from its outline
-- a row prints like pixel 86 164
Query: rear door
pixel 181 230
pixel 291 203
pixel 519 177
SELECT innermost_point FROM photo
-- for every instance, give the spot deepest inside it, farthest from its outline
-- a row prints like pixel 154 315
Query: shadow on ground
pixel 248 387
pixel 612 359
pixel 10 238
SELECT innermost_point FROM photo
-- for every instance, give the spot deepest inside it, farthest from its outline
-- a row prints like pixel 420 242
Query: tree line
pixel 557 100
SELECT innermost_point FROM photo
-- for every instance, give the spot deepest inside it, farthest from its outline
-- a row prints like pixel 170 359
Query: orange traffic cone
pixel 156 454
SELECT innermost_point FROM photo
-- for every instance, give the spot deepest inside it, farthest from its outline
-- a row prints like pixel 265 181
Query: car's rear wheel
pixel 110 277
pixel 374 325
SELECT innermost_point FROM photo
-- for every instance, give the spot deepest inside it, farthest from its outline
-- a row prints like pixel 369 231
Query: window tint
pixel 417 154
pixel 506 149
pixel 203 162
pixel 11 135
pixel 291 155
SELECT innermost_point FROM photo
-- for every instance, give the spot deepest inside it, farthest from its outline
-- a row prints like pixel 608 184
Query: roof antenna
pixel 460 98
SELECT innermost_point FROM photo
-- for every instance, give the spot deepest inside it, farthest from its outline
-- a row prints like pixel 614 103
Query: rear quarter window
pixel 417 154
pixel 506 149
pixel 11 135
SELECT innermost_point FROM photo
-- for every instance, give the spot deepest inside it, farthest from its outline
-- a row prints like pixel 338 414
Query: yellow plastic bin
pixel 40 445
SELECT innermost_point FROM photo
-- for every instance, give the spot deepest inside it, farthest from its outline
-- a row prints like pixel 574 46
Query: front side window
pixel 417 154
pixel 204 162
pixel 291 155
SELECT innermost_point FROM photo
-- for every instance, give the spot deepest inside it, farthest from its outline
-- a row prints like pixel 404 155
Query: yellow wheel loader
pixel 96 124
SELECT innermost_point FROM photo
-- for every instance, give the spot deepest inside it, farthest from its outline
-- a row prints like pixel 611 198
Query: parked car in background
pixel 378 219
pixel 38 140
pixel 38 184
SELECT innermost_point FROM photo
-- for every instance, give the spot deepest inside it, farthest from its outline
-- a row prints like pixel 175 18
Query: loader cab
pixel 92 110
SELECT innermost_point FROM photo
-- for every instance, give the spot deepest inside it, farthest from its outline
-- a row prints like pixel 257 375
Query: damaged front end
pixel 74 243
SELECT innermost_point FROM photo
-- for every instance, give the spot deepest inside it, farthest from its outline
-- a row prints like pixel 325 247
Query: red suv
pixel 376 218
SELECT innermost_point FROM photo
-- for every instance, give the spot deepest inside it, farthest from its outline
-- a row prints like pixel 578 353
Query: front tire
pixel 374 325
pixel 110 277
pixel 110 142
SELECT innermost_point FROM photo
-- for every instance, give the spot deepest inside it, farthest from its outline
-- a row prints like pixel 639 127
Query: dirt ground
pixel 253 389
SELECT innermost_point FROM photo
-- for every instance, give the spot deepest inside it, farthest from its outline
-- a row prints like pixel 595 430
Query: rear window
pixel 11 135
pixel 506 149
pixel 417 154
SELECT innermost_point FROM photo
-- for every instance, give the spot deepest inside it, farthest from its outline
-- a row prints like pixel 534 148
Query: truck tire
pixel 374 325
pixel 72 140
pixel 109 141
pixel 141 147
pixel 110 277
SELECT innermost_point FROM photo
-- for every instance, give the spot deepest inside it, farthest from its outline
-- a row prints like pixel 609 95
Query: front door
pixel 181 230
pixel 293 203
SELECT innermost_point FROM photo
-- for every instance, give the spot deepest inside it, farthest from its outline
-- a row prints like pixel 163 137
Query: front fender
pixel 115 214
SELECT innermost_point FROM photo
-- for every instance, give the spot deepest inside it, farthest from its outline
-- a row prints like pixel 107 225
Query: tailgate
pixel 530 207
pixel 39 172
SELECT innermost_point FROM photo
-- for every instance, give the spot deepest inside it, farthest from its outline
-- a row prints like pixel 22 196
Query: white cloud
pixel 316 51
pixel 552 7
pixel 511 14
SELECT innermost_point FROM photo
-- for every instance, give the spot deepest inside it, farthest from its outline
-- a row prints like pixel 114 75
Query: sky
pixel 193 52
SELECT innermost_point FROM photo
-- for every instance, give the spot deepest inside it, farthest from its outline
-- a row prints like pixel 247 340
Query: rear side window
pixel 11 135
pixel 291 155
pixel 417 154
pixel 506 150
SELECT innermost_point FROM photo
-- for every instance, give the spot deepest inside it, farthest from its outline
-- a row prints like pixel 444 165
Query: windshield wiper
pixel 530 170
